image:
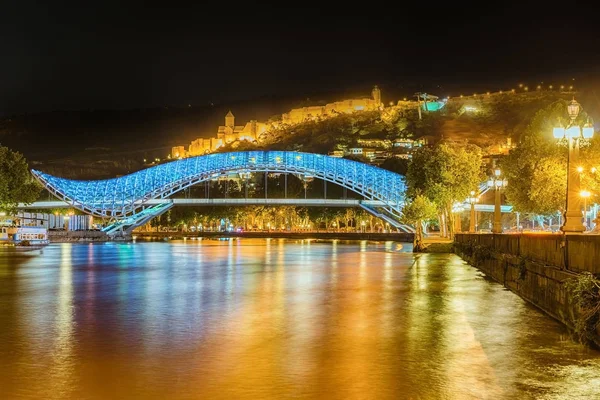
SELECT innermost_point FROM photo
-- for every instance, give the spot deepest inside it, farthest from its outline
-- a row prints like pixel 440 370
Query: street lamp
pixel 472 199
pixel 574 134
pixel 497 183
pixel 585 195
pixel 457 209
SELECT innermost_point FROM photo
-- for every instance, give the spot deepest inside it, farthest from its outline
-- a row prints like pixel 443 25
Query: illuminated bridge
pixel 131 200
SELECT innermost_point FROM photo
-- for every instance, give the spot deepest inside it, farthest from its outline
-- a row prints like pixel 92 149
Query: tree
pixel 395 164
pixel 420 209
pixel 16 183
pixel 537 169
pixel 445 174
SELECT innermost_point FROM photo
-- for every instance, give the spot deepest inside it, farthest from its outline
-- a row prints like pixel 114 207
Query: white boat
pixel 23 238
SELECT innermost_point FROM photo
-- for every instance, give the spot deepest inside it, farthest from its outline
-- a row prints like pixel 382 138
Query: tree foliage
pixel 420 209
pixel 268 217
pixel 397 165
pixel 537 169
pixel 324 134
pixel 444 174
pixel 16 183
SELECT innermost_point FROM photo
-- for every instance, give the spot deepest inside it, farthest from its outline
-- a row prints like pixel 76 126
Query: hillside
pixel 97 144
pixel 484 120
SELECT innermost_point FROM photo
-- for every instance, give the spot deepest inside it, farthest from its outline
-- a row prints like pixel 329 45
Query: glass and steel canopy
pixel 124 196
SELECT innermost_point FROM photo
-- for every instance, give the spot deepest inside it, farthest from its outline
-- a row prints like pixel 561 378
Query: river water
pixel 274 319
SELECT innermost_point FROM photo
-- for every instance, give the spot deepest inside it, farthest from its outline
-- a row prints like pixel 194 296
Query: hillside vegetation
pixel 485 120
pixel 96 144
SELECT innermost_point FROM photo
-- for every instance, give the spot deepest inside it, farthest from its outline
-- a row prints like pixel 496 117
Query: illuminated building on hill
pixel 251 131
pixel 226 134
pixel 298 115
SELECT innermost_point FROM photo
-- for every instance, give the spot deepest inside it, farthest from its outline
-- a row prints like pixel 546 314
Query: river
pixel 274 319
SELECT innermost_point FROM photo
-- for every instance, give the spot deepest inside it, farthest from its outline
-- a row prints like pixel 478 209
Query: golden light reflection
pixel 62 368
pixel 254 318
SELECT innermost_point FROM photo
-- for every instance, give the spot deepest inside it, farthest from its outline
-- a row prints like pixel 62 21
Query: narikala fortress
pixel 251 131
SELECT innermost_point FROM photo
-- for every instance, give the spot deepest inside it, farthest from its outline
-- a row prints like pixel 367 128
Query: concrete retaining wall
pixel 77 236
pixel 398 237
pixel 576 253
pixel 535 267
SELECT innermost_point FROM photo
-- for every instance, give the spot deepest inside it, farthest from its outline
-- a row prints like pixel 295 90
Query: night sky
pixel 81 57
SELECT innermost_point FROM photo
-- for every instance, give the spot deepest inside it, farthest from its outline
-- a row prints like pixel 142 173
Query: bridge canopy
pixel 126 195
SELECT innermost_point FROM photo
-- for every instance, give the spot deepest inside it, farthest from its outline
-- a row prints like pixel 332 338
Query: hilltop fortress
pixel 252 130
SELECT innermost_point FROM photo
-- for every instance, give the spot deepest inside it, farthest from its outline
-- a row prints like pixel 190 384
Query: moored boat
pixel 23 238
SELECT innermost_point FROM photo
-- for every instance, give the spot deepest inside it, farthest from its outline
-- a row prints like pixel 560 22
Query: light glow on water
pixel 276 318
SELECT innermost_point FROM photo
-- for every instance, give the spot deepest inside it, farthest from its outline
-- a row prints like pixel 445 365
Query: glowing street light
pixel 472 199
pixel 585 195
pixel 497 183
pixel 572 222
pixel 457 209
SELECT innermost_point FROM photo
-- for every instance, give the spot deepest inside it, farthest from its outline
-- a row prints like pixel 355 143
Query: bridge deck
pixel 40 205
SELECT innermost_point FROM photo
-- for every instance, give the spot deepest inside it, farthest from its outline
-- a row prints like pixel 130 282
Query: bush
pixel 585 290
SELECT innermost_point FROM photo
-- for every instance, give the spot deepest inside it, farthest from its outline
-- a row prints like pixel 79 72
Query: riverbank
pixel 392 236
pixel 79 236
pixel 555 273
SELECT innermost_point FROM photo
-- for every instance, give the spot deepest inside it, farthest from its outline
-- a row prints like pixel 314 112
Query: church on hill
pixel 251 131
pixel 228 133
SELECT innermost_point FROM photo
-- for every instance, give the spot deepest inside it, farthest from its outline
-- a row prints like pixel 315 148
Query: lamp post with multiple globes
pixel 572 222
pixel 457 209
pixel 585 195
pixel 472 199
pixel 497 183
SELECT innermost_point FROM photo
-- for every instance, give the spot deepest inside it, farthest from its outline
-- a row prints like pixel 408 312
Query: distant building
pixel 251 131
pixel 407 143
pixel 298 115
pixel 226 134
pixel 377 143
pixel 230 132
pixel 178 152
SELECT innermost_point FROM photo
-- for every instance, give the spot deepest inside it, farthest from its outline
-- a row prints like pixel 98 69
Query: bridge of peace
pixel 133 200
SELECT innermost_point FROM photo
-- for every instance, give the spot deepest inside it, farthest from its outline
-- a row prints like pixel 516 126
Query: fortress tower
pixel 230 120
pixel 376 93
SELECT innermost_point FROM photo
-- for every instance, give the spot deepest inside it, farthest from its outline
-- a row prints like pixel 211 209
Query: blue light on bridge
pixel 125 196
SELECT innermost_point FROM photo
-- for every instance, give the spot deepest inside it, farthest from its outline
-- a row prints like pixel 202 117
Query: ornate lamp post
pixel 457 209
pixel 472 199
pixel 497 183
pixel 574 134
pixel 585 195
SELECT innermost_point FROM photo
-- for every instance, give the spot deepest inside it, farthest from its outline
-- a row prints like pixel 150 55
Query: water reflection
pixel 272 319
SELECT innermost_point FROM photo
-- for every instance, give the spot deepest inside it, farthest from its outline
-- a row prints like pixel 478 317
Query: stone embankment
pixel 77 236
pixel 557 273
pixel 398 237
